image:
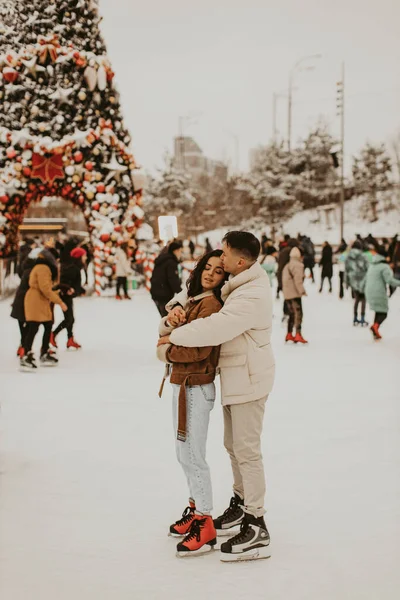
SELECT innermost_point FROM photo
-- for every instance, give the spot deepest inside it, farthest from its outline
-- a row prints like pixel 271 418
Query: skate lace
pixel 195 530
pixel 186 516
pixel 232 508
pixel 242 533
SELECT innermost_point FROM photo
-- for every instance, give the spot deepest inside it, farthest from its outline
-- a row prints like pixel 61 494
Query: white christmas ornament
pixel 138 179
pixel 101 78
pixel 61 95
pixel 70 170
pixel 91 77
pixel 115 168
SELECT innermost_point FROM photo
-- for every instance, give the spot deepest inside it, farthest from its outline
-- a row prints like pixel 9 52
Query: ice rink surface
pixel 90 484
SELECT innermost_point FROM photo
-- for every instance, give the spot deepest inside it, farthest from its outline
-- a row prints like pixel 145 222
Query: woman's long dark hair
pixel 193 284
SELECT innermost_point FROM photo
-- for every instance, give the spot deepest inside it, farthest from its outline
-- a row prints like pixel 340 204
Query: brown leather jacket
pixel 192 366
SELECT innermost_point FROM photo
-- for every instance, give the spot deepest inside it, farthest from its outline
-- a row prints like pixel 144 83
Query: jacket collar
pixel 251 274
pixel 201 296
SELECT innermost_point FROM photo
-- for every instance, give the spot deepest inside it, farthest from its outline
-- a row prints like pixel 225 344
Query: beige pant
pixel 243 425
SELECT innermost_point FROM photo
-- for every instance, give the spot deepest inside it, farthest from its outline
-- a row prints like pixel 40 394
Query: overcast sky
pixel 224 59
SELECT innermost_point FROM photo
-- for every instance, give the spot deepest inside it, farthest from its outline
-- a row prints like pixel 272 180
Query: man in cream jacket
pixel 247 367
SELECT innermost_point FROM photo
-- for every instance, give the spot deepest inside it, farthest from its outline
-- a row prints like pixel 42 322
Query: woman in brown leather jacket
pixel 192 378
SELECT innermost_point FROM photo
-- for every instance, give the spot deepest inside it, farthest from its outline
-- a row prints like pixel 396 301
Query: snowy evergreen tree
pixel 312 161
pixel 270 186
pixel 372 171
pixel 62 132
pixel 170 193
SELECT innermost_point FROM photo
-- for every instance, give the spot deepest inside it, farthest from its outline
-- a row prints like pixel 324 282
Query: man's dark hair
pixel 175 245
pixel 193 284
pixel 244 242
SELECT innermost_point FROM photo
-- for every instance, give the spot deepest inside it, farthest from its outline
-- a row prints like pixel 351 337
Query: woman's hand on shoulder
pixel 163 340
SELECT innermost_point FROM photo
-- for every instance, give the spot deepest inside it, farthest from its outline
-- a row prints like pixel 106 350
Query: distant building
pixel 254 156
pixel 189 155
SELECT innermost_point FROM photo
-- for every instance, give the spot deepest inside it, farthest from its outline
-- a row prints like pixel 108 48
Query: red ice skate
pixel 20 352
pixel 181 527
pixel 375 331
pixel 298 339
pixel 289 337
pixel 53 340
pixel 201 537
pixel 73 344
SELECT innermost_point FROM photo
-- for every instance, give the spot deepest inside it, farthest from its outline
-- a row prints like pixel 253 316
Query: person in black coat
pixel 71 287
pixel 165 280
pixel 23 254
pixel 326 263
pixel 18 308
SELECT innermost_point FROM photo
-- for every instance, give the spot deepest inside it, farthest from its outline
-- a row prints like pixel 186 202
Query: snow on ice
pixel 90 484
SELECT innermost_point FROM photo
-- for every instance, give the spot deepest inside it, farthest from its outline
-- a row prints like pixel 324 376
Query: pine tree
pixel 62 131
pixel 312 161
pixel 170 193
pixel 271 186
pixel 372 174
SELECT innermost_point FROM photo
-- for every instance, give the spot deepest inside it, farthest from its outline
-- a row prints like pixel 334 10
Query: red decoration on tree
pixel 26 171
pixel 47 168
pixel 101 188
pixel 105 237
pixel 89 165
pixel 4 199
pixel 11 152
pixel 10 74
pixel 78 156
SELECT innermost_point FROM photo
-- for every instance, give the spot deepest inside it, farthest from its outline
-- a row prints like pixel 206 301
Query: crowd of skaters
pixel 368 267
pixel 51 273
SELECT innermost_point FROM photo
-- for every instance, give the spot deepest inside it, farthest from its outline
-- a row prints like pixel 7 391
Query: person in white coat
pixel 247 367
pixel 122 270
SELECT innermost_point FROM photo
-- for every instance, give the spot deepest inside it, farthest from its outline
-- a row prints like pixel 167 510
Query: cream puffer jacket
pixel 243 328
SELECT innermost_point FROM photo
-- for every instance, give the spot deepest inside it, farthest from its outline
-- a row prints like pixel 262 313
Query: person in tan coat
pixel 293 291
pixel 247 367
pixel 38 308
pixel 192 378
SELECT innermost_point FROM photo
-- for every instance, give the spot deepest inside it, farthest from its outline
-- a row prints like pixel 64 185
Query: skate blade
pixel 256 554
pixel 228 532
pixel 27 370
pixel 176 535
pixel 206 549
pixel 49 366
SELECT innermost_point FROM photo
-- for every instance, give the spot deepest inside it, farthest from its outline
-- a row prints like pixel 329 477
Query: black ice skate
pixel 48 360
pixel 363 322
pixel 27 363
pixel 252 543
pixel 229 523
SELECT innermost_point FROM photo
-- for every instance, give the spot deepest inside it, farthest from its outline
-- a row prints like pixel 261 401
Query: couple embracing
pixel 222 324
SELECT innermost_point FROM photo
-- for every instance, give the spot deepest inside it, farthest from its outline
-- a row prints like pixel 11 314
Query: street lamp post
pixel 295 68
pixel 275 98
pixel 340 113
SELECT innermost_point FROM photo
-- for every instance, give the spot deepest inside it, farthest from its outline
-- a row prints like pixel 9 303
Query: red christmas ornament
pixel 26 171
pixel 105 237
pixel 81 199
pixel 89 165
pixel 47 169
pixel 4 199
pixel 118 228
pixel 101 188
pixel 11 152
pixel 10 74
pixel 95 205
pixel 78 156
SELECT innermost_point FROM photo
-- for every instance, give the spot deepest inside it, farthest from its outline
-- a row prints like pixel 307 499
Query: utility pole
pixel 340 113
pixel 274 126
pixel 181 142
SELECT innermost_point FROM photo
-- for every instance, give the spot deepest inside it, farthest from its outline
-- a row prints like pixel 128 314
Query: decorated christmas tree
pixel 61 127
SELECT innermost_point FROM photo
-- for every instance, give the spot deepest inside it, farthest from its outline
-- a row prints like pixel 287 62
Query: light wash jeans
pixel 192 453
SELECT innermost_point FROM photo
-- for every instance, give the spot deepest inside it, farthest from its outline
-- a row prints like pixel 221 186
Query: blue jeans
pixel 192 453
